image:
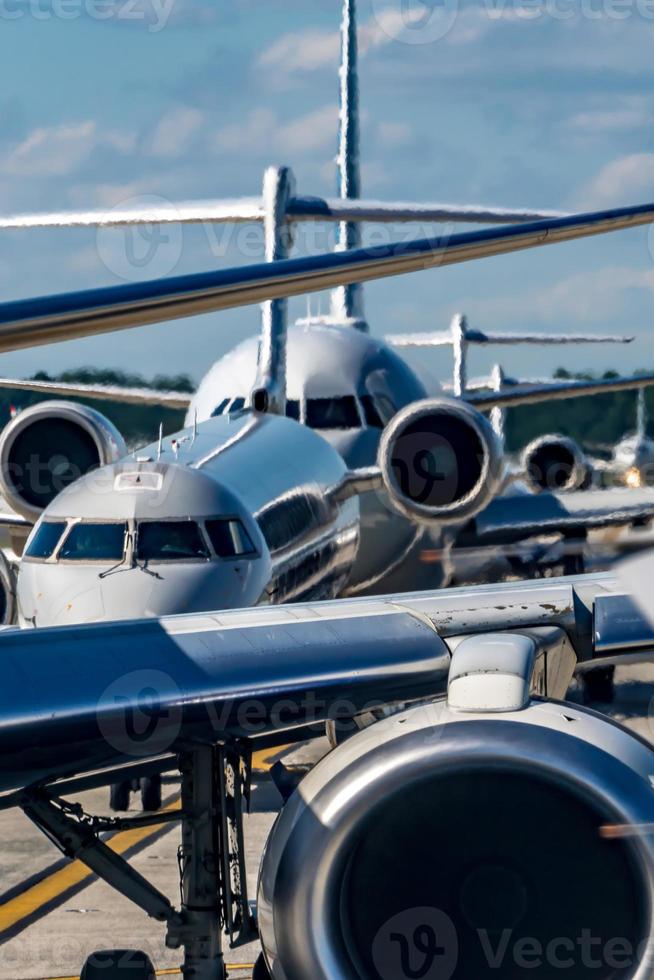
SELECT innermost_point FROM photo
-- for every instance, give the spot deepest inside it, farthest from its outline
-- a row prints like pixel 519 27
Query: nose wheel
pixel 148 786
pixel 260 971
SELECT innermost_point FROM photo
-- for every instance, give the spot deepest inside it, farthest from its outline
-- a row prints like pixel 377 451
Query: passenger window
pixel 229 538
pixel 293 410
pixel 219 409
pixel 170 541
pixel 333 413
pixel 45 540
pixel 94 542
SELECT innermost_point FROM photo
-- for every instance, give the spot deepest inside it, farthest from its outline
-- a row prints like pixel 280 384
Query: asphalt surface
pixel 53 913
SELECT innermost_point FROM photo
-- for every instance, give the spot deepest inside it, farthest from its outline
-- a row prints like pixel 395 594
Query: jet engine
pixel 46 447
pixel 556 462
pixel 444 844
pixel 441 461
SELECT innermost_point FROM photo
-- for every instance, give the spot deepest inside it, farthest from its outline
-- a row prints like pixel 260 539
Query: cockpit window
pixel 45 540
pixel 379 406
pixel 293 409
pixel 333 413
pixel 371 412
pixel 229 538
pixel 170 541
pixel 237 405
pixel 94 542
pixel 219 409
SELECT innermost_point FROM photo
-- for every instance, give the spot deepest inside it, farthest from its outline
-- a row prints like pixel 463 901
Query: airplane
pixel 490 805
pixel 338 381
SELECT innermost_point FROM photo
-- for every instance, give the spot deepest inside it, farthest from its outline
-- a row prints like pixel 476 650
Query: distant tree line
pixel 139 424
pixel 593 422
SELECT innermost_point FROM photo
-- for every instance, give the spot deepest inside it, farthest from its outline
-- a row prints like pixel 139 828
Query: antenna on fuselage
pixel 347 301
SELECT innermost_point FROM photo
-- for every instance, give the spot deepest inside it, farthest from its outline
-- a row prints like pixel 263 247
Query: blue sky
pixel 533 103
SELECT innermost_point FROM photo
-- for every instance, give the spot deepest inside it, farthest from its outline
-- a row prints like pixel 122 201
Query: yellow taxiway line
pixel 39 898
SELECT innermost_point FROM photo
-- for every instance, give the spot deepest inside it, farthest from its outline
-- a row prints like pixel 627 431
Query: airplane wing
pixel 532 393
pixel 51 319
pixel 515 517
pixel 246 209
pixel 71 693
pixel 113 393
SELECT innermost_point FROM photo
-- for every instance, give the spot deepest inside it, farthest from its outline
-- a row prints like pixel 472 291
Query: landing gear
pixel 149 787
pixel 119 794
pixel 151 793
pixel 598 685
pixel 116 964
pixel 215 786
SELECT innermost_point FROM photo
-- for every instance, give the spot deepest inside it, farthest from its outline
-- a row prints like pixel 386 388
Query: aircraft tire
pixel 151 793
pixel 260 971
pixel 119 796
pixel 115 964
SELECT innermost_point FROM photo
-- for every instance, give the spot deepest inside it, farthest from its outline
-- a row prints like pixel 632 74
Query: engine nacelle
pixel 443 844
pixel 555 462
pixel 440 460
pixel 46 447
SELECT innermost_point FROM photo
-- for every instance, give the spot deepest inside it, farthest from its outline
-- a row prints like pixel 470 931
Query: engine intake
pixel 440 460
pixel 49 446
pixel 556 462
pixel 446 845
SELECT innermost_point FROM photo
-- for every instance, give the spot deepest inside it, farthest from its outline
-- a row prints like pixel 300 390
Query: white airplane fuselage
pixel 277 478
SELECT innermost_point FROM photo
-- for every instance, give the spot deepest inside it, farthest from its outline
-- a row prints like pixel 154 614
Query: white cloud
pixel 174 130
pixel 623 180
pixel 394 133
pixel 50 151
pixel 313 131
pixel 582 297
pixel 630 113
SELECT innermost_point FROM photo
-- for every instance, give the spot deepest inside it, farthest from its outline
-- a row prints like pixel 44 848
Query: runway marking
pixel 41 894
pixel 171 973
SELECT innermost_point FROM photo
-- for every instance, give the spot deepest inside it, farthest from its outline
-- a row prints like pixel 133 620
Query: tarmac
pixel 54 912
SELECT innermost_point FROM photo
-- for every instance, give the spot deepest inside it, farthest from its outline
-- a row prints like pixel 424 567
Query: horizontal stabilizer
pixel 531 394
pixel 110 393
pixel 245 209
pixel 443 338
pixel 49 319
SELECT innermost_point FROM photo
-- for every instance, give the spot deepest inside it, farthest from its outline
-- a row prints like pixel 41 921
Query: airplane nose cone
pixel 57 595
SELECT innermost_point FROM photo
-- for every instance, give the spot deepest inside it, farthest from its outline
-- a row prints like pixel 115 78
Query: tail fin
pixel 347 301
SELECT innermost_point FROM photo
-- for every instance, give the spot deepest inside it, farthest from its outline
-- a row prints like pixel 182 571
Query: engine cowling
pixel 46 447
pixel 441 461
pixel 555 462
pixel 446 845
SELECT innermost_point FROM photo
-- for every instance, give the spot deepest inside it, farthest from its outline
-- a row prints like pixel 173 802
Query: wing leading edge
pixel 51 319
